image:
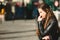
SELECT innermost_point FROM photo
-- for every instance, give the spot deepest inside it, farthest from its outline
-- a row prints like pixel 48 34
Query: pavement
pixel 18 30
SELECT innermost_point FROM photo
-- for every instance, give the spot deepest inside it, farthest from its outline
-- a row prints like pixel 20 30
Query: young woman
pixel 47 23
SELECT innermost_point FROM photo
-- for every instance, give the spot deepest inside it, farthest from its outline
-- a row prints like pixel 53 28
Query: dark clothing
pixel 8 8
pixel 51 29
pixel 1 6
pixel 35 13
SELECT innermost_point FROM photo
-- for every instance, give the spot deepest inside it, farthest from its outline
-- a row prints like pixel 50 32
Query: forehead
pixel 39 9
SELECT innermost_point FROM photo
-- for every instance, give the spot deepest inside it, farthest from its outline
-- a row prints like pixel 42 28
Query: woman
pixel 47 23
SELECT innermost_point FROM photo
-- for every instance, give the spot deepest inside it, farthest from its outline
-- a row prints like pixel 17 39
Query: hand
pixel 46 38
pixel 39 19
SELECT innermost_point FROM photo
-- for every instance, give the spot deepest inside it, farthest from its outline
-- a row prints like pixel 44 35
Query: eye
pixel 40 12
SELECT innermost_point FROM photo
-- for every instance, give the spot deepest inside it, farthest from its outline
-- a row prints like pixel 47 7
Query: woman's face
pixel 42 13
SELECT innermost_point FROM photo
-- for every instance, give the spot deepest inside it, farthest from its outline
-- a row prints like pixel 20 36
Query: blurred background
pixel 24 9
pixel 17 18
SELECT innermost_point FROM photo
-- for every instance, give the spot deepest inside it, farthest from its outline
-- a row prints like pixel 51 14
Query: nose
pixel 40 15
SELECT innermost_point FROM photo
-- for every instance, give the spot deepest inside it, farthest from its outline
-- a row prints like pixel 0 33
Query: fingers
pixel 46 38
pixel 39 18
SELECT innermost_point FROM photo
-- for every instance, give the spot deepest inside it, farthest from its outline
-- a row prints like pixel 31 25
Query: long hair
pixel 49 13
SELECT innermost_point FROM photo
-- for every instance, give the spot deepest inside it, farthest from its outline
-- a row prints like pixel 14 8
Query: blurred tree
pixel 51 4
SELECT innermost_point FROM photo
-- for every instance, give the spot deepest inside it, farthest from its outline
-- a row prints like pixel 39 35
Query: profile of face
pixel 42 13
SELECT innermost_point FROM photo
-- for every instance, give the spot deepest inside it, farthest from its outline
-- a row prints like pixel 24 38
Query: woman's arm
pixel 49 27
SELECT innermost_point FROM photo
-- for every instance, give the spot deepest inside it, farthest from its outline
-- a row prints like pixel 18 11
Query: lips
pixel 40 16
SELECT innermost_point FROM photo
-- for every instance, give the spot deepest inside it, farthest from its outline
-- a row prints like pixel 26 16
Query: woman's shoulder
pixel 53 21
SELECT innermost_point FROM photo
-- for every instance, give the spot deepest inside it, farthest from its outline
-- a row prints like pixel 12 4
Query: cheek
pixel 44 15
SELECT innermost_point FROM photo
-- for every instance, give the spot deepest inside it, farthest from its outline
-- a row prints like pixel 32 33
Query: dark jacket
pixel 51 29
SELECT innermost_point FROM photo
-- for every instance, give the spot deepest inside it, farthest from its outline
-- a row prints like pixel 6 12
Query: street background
pixel 17 18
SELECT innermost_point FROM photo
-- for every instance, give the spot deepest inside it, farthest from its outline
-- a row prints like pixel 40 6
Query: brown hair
pixel 49 13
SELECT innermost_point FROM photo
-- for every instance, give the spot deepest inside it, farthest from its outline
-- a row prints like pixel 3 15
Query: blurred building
pixel 24 8
pixel 2 0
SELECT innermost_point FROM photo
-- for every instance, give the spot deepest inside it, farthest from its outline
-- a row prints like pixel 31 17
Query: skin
pixel 56 3
pixel 42 14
